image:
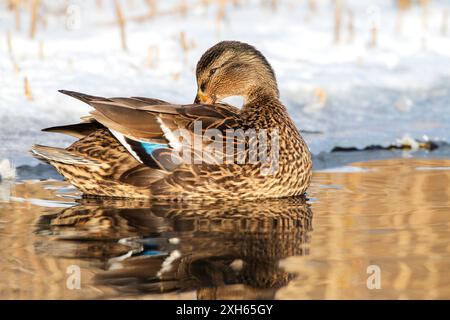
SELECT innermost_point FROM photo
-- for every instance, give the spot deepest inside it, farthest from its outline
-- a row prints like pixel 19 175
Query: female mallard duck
pixel 130 147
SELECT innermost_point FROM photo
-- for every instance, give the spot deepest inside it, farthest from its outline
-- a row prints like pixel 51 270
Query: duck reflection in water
pixel 221 249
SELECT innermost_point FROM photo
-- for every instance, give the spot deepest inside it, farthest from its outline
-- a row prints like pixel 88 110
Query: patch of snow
pixel 7 170
pixel 406 140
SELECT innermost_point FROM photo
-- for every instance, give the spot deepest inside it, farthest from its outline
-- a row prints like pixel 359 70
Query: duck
pixel 148 148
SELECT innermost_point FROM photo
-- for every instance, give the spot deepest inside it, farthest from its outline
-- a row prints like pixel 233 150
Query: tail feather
pixel 78 130
pixel 82 97
pixel 53 154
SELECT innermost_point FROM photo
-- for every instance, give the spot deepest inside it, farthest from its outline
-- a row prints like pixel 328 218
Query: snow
pixel 406 140
pixel 7 170
pixel 354 94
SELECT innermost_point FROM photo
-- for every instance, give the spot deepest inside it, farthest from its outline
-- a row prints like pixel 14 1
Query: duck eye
pixel 203 86
pixel 213 70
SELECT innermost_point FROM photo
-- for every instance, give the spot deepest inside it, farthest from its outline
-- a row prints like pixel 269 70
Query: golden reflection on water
pixel 135 249
pixel 393 215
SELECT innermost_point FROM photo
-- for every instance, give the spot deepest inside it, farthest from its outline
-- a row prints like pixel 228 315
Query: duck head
pixel 233 68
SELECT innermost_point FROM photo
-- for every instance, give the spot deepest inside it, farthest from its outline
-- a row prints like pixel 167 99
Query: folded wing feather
pixel 146 127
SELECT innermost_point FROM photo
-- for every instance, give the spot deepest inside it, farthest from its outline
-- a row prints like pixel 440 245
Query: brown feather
pixel 142 176
pixel 78 130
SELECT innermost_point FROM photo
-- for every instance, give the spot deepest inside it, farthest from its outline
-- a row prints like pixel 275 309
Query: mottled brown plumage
pixel 116 154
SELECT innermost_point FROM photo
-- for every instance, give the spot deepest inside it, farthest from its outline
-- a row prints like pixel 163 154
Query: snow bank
pixel 7 170
pixel 354 93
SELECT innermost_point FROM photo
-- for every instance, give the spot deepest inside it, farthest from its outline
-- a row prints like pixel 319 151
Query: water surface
pixel 391 214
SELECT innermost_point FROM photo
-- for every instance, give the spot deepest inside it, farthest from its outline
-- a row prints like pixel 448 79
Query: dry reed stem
pixel 11 52
pixel 183 8
pixel 121 23
pixel 350 26
pixel 337 20
pixel 320 96
pixel 185 45
pixel 16 8
pixel 35 4
pixel 221 12
pixel 176 9
pixel 205 3
pixel 373 19
pixel 147 16
pixel 444 27
pixel 312 5
pixel 175 76
pixel 403 4
pixel 399 22
pixel 27 89
pixel 373 36
pixel 9 43
pixel 151 7
pixel 424 4
pixel 152 57
pixel 274 4
pixel 41 50
pixel 183 41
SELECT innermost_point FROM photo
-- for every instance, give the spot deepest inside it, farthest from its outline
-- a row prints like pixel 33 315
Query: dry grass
pixel 350 26
pixel 399 21
pixel 15 6
pixel 27 90
pixel 175 76
pixel 373 36
pixel 444 27
pixel 185 44
pixel 11 52
pixel 152 57
pixel 121 24
pixel 35 4
pixel 221 15
pixel 320 96
pixel 152 8
pixel 403 4
pixel 337 20
pixel 424 4
pixel 183 41
pixel 41 50
pixel 182 8
pixel 312 5
pixel 343 16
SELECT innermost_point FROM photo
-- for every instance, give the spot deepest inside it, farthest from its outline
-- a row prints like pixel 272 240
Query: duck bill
pixel 203 98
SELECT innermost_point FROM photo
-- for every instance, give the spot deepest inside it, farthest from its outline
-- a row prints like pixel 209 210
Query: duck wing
pixel 151 132
pixel 89 124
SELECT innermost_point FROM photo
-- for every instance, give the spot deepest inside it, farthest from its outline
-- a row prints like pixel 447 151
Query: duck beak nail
pixel 203 98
